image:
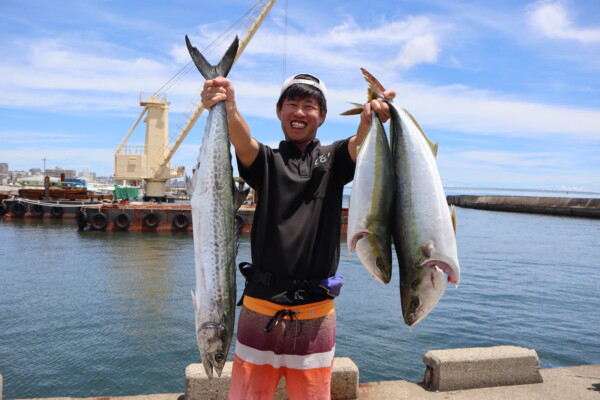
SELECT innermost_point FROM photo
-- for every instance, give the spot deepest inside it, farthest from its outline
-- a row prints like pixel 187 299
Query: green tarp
pixel 125 193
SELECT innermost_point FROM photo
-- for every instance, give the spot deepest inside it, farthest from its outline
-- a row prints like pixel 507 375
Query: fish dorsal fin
pixel 433 146
pixel 239 196
pixel 189 185
pixel 207 70
pixel 453 216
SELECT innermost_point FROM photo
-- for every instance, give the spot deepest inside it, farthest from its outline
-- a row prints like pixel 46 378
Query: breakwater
pixel 575 207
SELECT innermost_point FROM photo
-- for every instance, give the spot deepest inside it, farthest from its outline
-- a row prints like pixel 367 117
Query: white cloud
pixel 417 50
pixel 511 159
pixel 552 19
pixel 463 109
pixel 511 169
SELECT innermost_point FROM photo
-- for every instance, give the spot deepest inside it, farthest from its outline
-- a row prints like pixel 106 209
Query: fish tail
pixel 207 70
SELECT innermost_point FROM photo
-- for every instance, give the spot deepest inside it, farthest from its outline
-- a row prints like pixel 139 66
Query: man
pixel 286 326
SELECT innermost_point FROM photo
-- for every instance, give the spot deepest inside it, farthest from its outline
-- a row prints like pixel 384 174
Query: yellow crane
pixel 151 162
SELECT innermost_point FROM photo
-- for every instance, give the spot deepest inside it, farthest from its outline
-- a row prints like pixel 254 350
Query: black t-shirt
pixel 297 223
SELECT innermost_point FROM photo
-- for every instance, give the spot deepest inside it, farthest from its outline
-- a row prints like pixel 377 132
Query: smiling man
pixel 286 326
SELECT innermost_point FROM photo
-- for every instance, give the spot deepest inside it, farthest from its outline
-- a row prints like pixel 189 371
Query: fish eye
pixel 379 262
pixel 415 303
pixel 219 357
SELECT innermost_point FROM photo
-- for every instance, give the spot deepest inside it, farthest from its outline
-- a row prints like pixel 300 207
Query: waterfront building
pixel 57 172
pixel 3 173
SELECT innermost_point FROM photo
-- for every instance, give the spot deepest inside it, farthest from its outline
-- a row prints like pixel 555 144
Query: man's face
pixel 300 119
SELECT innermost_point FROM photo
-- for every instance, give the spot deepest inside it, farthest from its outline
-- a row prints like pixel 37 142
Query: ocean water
pixel 110 313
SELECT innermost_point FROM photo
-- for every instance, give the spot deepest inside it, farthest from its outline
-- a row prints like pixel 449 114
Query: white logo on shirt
pixel 322 159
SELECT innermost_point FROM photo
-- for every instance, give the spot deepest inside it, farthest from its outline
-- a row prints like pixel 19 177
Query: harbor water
pixel 99 313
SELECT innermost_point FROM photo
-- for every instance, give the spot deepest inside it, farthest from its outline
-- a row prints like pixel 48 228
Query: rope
pixel 285 38
pixel 35 202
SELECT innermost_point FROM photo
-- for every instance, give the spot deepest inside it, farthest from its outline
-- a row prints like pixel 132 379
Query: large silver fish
pixel 424 231
pixel 213 215
pixel 371 204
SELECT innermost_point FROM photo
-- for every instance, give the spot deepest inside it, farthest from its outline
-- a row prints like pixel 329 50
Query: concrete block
pixel 480 367
pixel 344 382
pixel 344 379
pixel 198 386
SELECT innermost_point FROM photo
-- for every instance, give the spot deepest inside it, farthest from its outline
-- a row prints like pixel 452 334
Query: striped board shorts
pixel 273 340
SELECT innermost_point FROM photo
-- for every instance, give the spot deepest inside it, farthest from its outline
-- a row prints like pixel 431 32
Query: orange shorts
pixel 300 345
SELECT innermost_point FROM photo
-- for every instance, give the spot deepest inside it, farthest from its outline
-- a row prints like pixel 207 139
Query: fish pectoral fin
pixel 196 320
pixel 427 248
pixel 358 108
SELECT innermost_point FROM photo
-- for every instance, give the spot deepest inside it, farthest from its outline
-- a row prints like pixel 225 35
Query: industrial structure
pixel 151 162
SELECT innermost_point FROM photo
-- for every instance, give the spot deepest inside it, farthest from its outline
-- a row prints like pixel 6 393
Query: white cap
pixel 292 80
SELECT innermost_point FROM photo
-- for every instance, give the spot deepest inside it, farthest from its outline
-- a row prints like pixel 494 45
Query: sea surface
pixel 97 313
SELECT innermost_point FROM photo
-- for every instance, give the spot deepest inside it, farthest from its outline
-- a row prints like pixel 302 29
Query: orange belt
pixel 304 311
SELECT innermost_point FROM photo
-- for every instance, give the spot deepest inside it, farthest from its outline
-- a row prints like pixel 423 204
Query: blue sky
pixel 510 89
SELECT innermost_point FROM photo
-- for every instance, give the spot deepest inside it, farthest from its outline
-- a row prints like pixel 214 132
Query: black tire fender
pixel 18 209
pixel 57 211
pixel 181 221
pixel 150 220
pixel 122 221
pixel 81 219
pixel 37 210
pixel 99 221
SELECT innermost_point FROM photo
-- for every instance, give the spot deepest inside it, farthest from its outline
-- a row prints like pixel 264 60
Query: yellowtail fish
pixel 424 229
pixel 371 204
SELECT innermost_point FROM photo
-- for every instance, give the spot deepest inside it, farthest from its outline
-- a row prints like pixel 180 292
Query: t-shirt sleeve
pixel 253 175
pixel 344 163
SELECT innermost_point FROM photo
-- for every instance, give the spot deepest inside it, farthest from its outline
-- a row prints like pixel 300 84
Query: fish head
pixel 214 345
pixel 421 294
pixel 374 255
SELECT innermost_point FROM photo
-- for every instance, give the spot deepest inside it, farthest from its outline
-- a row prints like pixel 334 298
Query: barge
pixel 157 217
pixel 51 202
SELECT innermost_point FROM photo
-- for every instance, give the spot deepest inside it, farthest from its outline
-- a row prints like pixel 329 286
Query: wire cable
pixel 285 38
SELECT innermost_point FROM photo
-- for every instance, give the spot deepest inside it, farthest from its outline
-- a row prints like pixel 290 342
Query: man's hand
pixel 221 89
pixel 379 106
pixel 216 90
pixel 383 111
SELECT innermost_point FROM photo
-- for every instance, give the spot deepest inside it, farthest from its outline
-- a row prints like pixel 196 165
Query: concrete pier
pixel 567 383
pixel 471 368
pixel 344 382
pixel 575 207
